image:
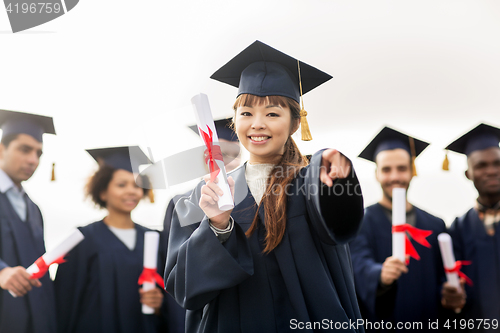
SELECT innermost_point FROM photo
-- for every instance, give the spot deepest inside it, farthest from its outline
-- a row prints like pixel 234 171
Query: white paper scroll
pixel 58 252
pixel 446 247
pixel 205 122
pixel 151 241
pixel 398 218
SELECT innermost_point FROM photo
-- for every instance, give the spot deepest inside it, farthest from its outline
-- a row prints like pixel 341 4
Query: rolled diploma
pixel 59 251
pixel 204 121
pixel 398 218
pixel 446 247
pixel 151 240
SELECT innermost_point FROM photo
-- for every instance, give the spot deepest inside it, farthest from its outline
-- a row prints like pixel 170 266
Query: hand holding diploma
pixel 40 267
pixel 150 298
pixel 213 155
pixel 453 292
pixel 17 281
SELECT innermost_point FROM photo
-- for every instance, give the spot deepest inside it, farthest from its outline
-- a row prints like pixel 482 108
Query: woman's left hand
pixel 333 165
pixel 152 298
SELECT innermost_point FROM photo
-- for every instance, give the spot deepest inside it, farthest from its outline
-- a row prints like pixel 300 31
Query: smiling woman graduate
pixel 97 289
pixel 280 258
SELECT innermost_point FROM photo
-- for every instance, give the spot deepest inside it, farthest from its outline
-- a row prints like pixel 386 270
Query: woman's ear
pixel 295 125
pixel 104 196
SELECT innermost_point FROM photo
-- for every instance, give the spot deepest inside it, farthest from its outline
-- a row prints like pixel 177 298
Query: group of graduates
pixel 299 259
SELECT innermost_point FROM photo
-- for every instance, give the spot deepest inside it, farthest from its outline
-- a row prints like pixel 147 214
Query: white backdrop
pixel 122 73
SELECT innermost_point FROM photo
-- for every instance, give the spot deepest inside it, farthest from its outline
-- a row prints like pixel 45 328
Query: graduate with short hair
pixel 97 289
pixel 279 260
pixel 389 289
pixel 476 234
pixel 21 227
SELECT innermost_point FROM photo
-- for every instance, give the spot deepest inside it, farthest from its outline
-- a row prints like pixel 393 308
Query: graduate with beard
pixel 389 289
pixel 476 234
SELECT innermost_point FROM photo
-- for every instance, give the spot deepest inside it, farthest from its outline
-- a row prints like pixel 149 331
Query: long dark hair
pixel 292 161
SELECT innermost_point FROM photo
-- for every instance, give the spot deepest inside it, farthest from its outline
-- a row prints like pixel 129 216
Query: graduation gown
pixel 175 315
pixel 97 290
pixel 235 287
pixel 471 242
pixel 21 243
pixel 415 296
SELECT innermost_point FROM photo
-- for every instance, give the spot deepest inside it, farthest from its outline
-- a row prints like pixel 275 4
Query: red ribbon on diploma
pixel 150 275
pixel 418 235
pixel 457 269
pixel 212 153
pixel 43 267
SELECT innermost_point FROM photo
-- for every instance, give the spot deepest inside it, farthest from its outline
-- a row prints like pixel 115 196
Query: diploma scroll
pixel 40 267
pixel 213 155
pixel 446 247
pixel 151 241
pixel 399 218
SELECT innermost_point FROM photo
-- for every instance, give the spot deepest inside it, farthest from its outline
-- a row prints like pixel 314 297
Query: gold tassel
pixel 446 163
pixel 414 168
pixel 53 178
pixel 151 196
pixel 304 126
pixel 413 156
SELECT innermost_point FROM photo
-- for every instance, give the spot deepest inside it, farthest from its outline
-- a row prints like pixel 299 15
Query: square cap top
pixel 127 157
pixel 388 139
pixel 264 71
pixel 13 122
pixel 481 137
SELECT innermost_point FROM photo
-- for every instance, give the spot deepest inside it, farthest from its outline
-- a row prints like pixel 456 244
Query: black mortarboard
pixel 264 71
pixel 481 137
pixel 223 130
pixel 126 158
pixel 388 139
pixel 13 122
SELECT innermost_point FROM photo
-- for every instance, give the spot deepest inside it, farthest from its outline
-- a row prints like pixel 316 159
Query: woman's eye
pixel 272 114
pixel 121 185
pixel 246 114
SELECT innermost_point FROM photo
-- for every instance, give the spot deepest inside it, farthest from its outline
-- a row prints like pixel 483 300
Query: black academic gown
pixel 97 290
pixel 21 243
pixel 234 287
pixel 416 296
pixel 471 242
pixel 175 315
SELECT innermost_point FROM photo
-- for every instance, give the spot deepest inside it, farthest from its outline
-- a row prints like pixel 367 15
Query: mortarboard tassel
pixel 151 196
pixel 304 126
pixel 446 163
pixel 413 156
pixel 53 178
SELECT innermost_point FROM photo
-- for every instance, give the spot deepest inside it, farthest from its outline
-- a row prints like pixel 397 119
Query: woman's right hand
pixel 210 193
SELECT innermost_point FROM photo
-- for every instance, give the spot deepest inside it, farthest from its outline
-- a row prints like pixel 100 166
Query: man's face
pixel 20 159
pixel 484 171
pixel 393 170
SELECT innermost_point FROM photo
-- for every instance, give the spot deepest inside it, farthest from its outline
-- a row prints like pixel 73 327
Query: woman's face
pixel 263 131
pixel 122 194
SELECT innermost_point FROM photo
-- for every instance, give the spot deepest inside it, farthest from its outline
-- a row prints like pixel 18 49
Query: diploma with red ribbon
pixel 149 276
pixel 401 245
pixel 452 267
pixel 55 256
pixel 213 154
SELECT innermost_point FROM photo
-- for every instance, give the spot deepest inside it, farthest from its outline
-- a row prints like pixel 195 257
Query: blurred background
pixel 115 73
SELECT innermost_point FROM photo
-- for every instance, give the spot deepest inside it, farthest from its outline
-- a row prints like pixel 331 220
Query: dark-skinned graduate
pixel 98 289
pixel 405 294
pixel 279 261
pixel 32 310
pixel 476 234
